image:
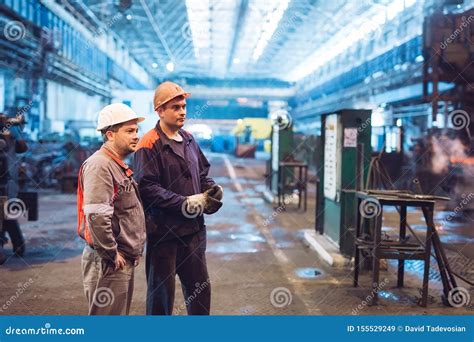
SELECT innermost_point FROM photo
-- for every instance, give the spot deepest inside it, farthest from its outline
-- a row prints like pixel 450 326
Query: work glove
pixel 216 192
pixel 213 199
pixel 194 205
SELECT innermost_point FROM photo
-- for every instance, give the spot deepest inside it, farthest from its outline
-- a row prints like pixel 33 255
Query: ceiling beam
pixel 157 30
pixel 238 26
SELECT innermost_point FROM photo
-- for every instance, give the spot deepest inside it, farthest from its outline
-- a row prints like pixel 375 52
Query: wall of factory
pixel 101 39
pixel 197 107
pixel 56 72
pixel 66 105
pixel 141 102
pixel 17 98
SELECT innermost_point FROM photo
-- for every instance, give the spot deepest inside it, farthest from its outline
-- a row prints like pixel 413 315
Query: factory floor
pixel 258 261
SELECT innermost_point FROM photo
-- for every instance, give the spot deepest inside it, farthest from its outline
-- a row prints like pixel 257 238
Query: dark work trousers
pixel 185 256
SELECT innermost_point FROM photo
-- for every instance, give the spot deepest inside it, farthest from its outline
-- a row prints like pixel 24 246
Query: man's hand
pixel 195 205
pixel 213 199
pixel 119 261
pixel 218 192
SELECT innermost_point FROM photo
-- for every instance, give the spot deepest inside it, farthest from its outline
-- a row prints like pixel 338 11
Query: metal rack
pixel 297 179
pixel 401 249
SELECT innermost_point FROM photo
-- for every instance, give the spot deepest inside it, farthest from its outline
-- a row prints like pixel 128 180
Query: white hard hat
pixel 114 114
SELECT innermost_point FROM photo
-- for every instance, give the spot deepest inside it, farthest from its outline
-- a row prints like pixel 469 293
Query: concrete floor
pixel 258 262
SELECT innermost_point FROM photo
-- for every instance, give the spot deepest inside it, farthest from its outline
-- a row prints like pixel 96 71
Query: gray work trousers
pixel 108 292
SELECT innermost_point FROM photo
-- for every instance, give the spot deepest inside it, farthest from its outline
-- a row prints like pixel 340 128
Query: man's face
pixel 125 140
pixel 173 113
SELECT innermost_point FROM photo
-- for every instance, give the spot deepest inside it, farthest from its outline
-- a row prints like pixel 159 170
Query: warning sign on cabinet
pixel 331 180
pixel 350 137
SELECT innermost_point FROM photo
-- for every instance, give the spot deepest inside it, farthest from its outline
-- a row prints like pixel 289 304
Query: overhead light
pixel 236 60
pixel 154 65
pixel 269 27
pixel 170 66
pixel 128 17
pixel 199 24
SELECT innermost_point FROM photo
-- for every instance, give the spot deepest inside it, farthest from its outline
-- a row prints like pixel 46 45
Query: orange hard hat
pixel 167 91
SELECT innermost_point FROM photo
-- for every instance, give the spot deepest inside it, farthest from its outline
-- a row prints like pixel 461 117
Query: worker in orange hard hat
pixel 110 215
pixel 172 176
pixel 166 92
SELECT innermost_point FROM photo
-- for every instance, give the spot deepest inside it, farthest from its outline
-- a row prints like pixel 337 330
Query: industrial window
pixel 16 5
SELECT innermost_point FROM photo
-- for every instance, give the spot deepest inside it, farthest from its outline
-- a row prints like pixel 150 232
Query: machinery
pixel 15 202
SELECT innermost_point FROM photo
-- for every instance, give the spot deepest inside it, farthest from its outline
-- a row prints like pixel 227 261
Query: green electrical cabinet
pixel 343 163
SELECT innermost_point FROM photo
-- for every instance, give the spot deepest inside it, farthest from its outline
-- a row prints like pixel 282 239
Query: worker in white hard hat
pixel 110 214
pixel 172 175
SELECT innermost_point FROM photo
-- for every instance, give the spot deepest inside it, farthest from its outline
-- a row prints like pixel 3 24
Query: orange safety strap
pixel 82 228
pixel 128 171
